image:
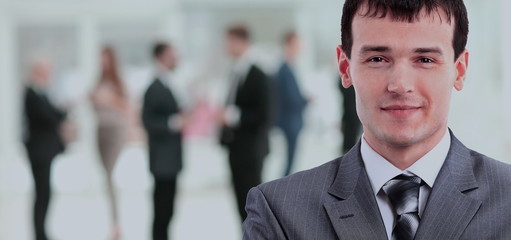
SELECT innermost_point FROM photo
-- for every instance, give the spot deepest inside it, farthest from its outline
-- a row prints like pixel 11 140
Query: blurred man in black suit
pixel 43 140
pixel 163 123
pixel 246 118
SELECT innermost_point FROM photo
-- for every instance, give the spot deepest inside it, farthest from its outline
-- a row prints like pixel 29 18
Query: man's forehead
pixel 430 33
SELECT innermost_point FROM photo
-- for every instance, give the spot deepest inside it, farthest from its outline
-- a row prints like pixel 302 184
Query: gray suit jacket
pixel 471 199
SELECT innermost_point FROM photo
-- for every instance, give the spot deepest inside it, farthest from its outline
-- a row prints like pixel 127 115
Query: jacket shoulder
pixel 312 182
pixel 256 72
pixel 489 173
pixel 493 192
pixel 30 93
pixel 154 90
pixel 283 69
pixel 486 169
pixel 154 85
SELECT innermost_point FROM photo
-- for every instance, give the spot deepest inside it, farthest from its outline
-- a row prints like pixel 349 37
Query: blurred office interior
pixel 72 32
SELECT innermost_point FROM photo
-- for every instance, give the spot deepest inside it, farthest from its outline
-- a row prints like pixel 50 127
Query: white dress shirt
pixel 163 74
pixel 379 171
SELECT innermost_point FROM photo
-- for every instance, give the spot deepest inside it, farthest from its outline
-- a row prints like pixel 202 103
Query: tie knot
pixel 403 193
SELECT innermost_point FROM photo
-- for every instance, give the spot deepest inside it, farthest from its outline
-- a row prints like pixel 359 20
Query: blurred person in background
pixel 290 101
pixel 111 108
pixel 43 140
pixel 163 123
pixel 350 124
pixel 246 118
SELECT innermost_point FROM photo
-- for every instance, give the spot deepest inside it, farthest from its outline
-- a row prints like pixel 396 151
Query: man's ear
pixel 461 70
pixel 344 67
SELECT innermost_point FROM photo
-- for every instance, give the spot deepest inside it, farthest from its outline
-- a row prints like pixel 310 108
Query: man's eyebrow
pixel 384 49
pixel 434 50
pixel 366 49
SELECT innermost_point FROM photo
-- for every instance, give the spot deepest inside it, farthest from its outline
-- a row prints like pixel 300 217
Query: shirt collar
pixel 39 90
pixel 163 74
pixel 243 64
pixel 380 171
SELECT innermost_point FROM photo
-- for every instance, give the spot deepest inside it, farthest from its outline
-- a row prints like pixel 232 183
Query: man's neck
pixel 161 69
pixel 242 63
pixel 244 55
pixel 290 57
pixel 289 62
pixel 405 156
pixel 40 88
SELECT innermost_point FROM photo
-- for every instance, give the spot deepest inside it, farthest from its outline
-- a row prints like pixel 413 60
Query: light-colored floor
pixel 205 206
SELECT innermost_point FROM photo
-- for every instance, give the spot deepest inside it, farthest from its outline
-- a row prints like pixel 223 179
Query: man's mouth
pixel 400 107
pixel 401 111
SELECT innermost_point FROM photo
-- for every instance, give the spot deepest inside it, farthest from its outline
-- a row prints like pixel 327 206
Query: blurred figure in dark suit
pixel 163 123
pixel 43 140
pixel 291 102
pixel 246 117
pixel 111 107
pixel 350 126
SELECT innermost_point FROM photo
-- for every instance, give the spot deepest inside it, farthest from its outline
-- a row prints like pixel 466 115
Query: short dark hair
pixel 240 32
pixel 159 48
pixel 406 10
pixel 288 37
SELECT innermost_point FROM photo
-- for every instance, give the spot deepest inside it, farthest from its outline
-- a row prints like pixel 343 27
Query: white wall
pixel 476 116
pixel 8 98
pixel 505 46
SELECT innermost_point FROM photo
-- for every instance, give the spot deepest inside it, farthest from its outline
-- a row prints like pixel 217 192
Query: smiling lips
pixel 401 111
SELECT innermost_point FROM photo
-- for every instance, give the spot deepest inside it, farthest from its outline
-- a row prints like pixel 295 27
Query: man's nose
pixel 401 79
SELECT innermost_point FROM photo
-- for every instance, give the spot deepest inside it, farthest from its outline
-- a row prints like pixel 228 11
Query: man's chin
pixel 400 139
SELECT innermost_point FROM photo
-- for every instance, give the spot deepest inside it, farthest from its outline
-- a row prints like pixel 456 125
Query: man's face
pixel 403 74
pixel 168 58
pixel 293 47
pixel 235 46
pixel 41 73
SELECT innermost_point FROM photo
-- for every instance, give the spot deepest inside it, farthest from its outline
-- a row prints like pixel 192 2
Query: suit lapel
pixel 40 96
pixel 356 215
pixel 449 210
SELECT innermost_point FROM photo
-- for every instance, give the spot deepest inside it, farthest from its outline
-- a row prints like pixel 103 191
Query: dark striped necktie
pixel 403 192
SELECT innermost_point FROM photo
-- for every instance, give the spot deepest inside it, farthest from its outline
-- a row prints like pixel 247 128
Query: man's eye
pixel 426 60
pixel 376 59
